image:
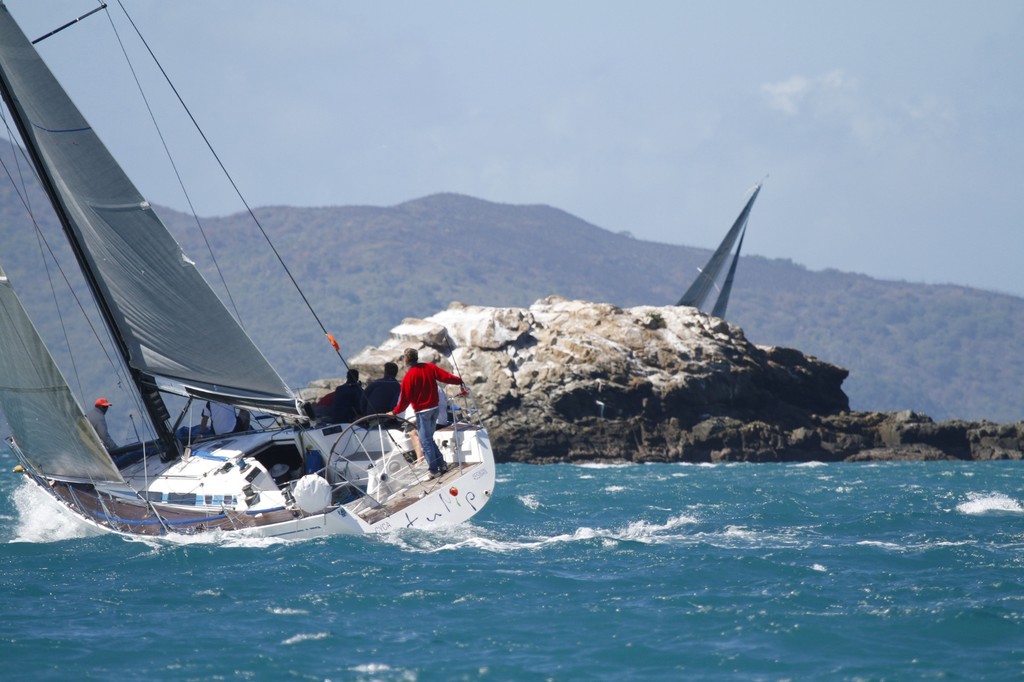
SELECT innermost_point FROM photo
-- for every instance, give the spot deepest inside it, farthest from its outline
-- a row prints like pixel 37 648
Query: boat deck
pixel 375 513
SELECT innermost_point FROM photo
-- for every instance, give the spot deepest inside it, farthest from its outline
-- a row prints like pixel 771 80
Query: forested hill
pixel 950 352
pixel 944 350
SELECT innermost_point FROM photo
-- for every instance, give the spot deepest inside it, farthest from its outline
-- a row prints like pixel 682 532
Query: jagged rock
pixel 996 441
pixel 570 380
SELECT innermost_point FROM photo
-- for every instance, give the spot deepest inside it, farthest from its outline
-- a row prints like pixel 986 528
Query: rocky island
pixel 578 381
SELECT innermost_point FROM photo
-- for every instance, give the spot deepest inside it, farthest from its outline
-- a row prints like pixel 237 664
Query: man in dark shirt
pixel 381 395
pixel 347 399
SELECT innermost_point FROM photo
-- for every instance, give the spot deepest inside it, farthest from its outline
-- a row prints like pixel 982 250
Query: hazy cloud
pixel 786 96
pixel 823 92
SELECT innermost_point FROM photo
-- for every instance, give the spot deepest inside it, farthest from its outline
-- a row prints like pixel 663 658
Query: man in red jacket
pixel 419 389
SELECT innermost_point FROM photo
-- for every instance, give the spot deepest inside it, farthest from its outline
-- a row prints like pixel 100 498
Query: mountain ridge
pixel 944 350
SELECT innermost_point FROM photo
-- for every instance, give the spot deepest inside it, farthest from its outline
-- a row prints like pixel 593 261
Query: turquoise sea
pixel 896 571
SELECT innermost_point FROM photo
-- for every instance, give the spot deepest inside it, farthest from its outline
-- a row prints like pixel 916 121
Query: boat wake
pixel 473 537
pixel 222 538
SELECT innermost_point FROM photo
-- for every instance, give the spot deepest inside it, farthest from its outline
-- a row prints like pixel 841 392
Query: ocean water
pixel 895 571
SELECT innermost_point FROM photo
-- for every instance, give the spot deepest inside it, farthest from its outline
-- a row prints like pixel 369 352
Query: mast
pixel 171 329
pixel 151 399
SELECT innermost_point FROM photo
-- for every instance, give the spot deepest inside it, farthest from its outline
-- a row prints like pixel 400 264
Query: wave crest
pixel 985 503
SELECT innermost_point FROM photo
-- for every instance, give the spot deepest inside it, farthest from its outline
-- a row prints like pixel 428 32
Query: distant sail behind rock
pixel 698 292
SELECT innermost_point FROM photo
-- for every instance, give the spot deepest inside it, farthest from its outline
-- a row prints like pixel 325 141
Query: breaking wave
pixel 40 518
pixel 986 503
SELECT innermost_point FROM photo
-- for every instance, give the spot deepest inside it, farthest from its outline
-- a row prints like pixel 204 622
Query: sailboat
pixel 698 292
pixel 288 475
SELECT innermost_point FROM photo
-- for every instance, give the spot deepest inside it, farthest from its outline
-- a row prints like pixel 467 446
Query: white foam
pixel 529 501
pixel 41 518
pixel 883 545
pixel 741 532
pixel 371 668
pixel 643 530
pixel 985 503
pixel 458 537
pixel 306 637
pixel 235 538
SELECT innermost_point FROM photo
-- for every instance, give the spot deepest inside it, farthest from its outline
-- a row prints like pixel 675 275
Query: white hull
pixel 256 484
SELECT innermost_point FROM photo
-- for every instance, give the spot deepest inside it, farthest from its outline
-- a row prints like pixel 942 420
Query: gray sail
pixel 46 420
pixel 172 329
pixel 723 297
pixel 698 292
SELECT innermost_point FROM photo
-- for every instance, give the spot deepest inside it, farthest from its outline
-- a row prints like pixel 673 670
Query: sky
pixel 889 135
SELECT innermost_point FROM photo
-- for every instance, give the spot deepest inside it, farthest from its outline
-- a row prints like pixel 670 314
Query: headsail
pixel 47 422
pixel 174 333
pixel 698 292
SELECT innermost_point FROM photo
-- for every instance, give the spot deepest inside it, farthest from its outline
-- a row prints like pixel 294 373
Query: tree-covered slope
pixel 944 350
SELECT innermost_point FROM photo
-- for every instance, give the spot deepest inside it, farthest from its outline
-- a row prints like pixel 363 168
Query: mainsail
pixel 293 478
pixel 52 432
pixel 698 292
pixel 174 333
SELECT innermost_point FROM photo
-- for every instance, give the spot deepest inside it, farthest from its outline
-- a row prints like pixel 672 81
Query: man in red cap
pixel 98 418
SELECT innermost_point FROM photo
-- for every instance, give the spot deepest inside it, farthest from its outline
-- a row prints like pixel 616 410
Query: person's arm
pixel 104 434
pixel 446 377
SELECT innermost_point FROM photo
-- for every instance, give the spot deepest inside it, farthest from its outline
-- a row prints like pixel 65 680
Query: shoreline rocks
pixel 570 381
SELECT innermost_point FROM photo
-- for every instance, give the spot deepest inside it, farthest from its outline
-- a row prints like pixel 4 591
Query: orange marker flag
pixel 330 337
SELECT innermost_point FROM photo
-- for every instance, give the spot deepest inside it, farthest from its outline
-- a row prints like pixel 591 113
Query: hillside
pixel 947 351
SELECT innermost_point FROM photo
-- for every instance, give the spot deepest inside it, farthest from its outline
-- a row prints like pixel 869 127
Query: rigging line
pixel 135 427
pixel 470 396
pixel 234 186
pixel 23 195
pixel 112 519
pixel 49 249
pixel 56 305
pixel 26 201
pixel 14 154
pixel 118 370
pixel 60 315
pixel 174 167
